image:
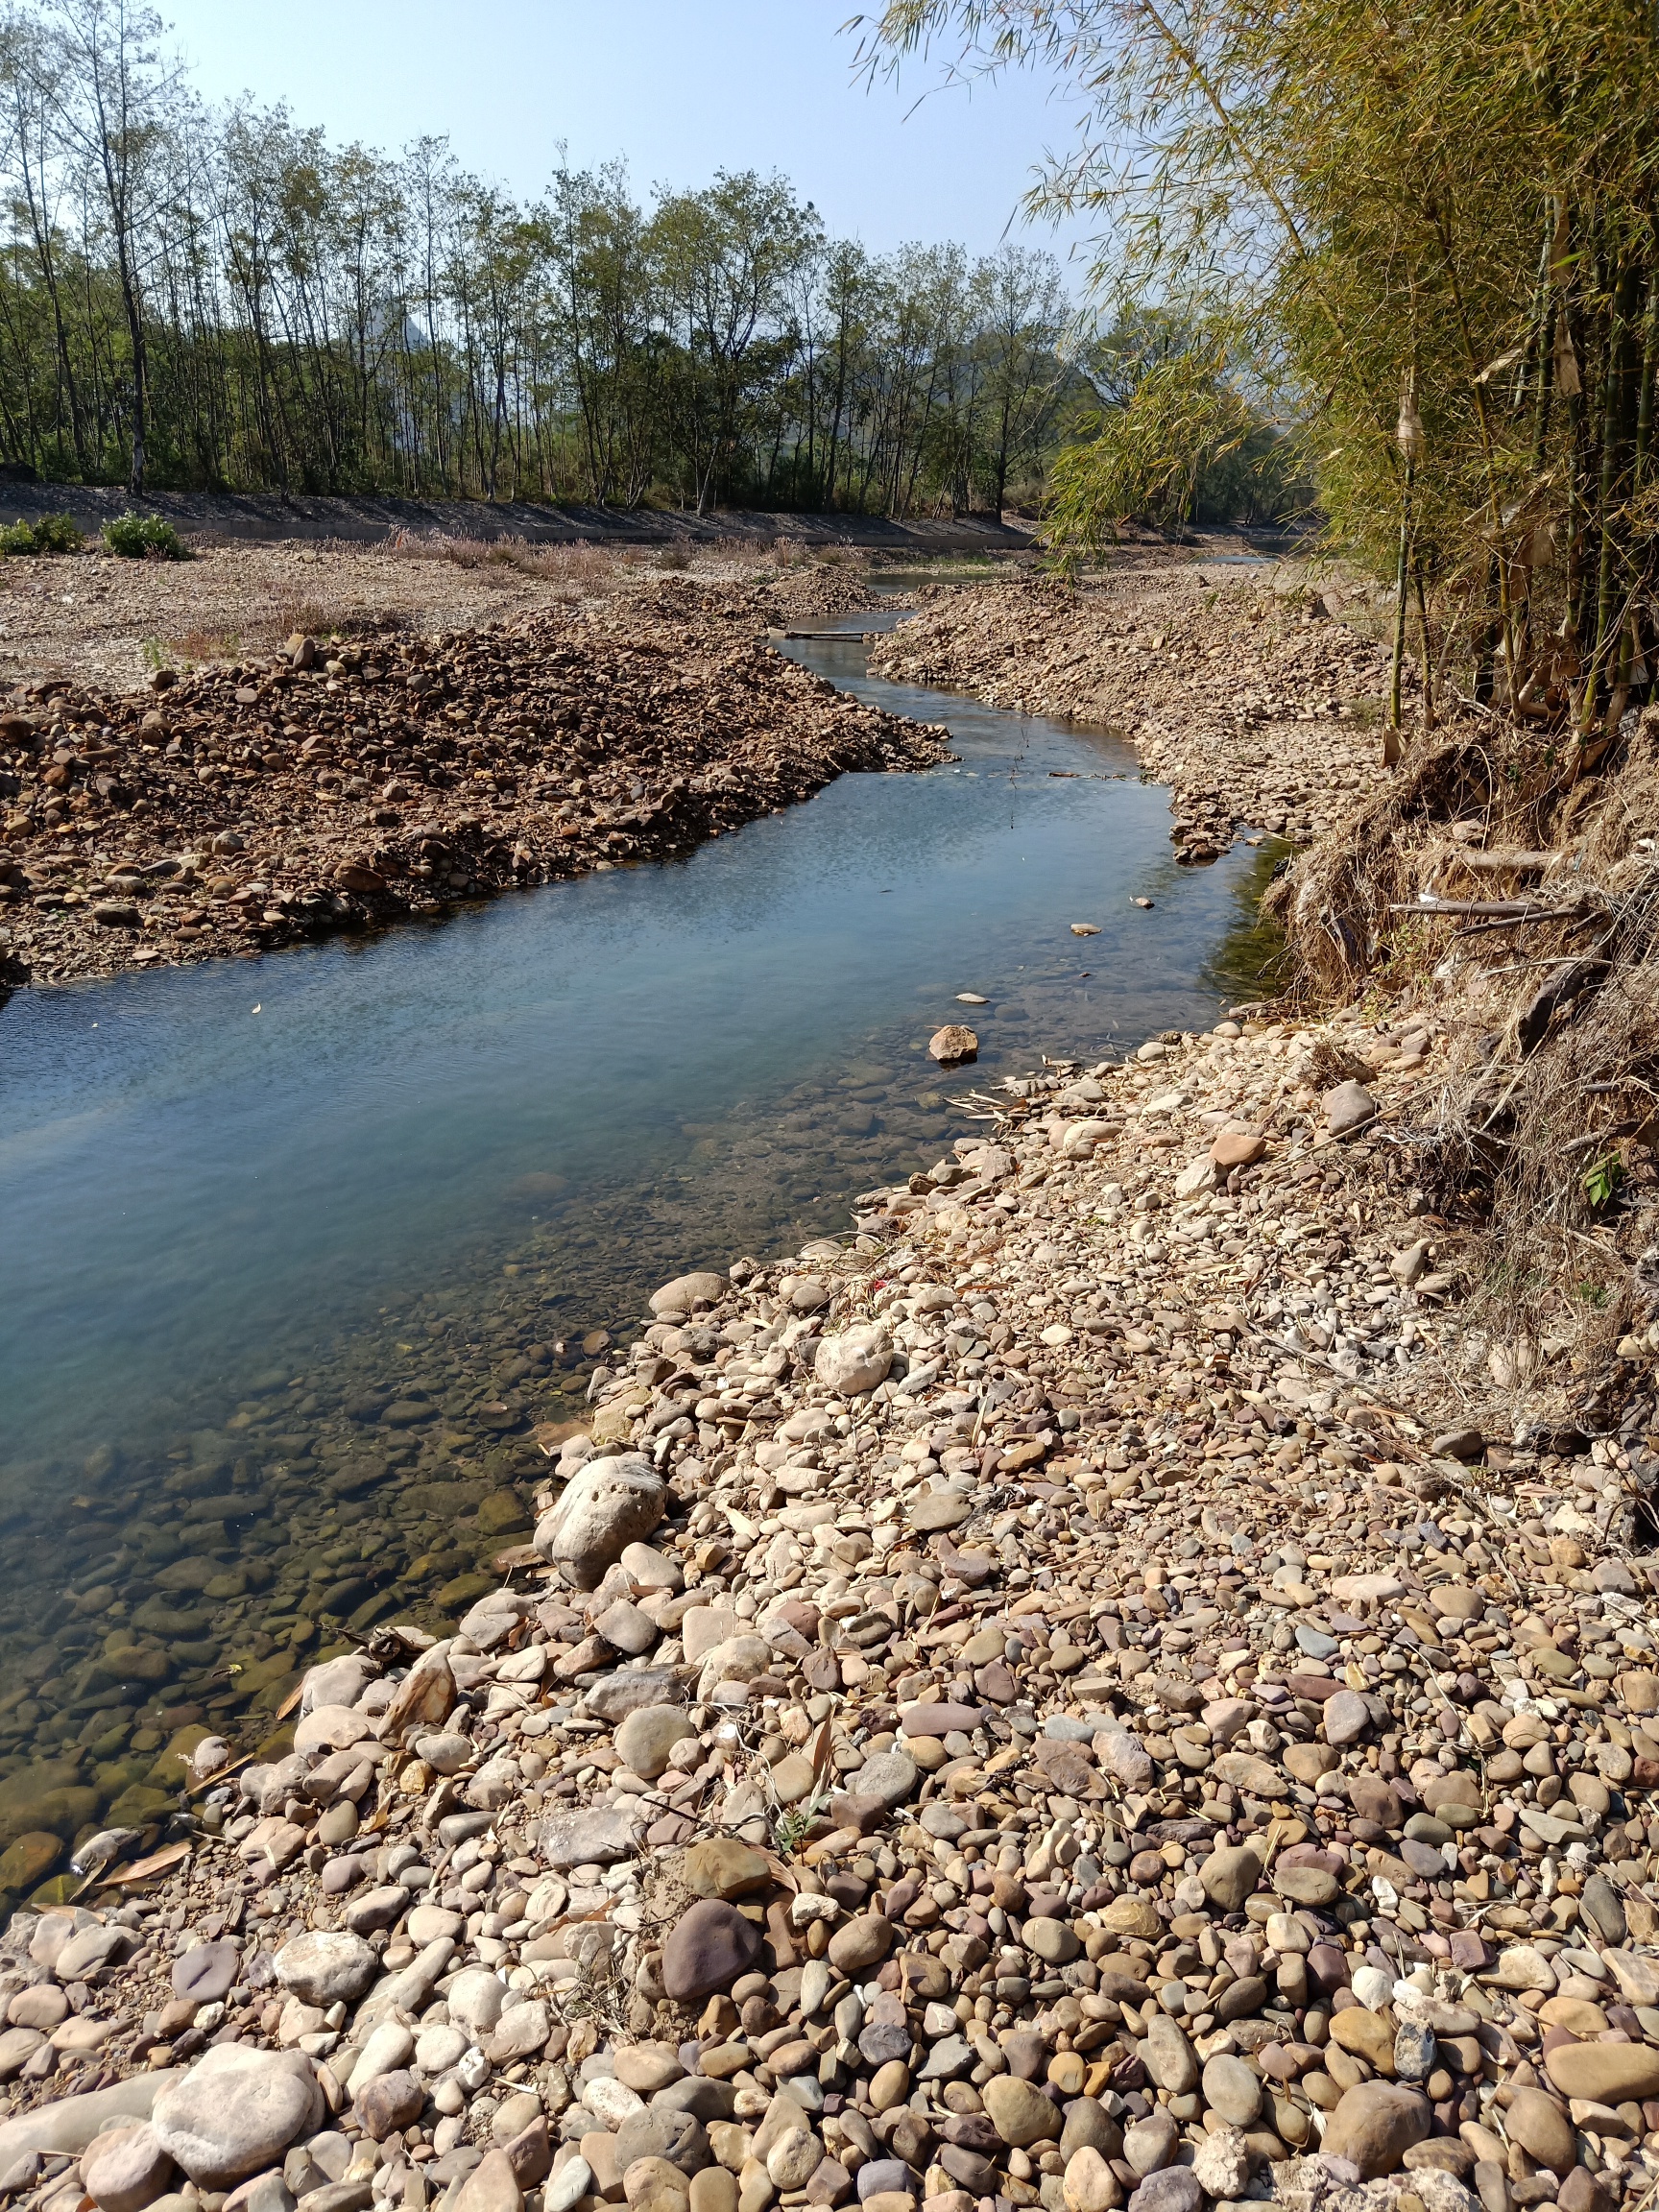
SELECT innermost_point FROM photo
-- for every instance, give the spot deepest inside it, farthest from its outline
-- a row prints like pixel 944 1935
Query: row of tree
pixel 1433 234
pixel 191 299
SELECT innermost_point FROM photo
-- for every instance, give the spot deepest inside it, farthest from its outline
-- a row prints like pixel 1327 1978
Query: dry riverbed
pixel 1016 1707
pixel 1241 689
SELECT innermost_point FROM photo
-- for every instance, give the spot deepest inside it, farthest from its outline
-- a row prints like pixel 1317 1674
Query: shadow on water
pixel 300 1248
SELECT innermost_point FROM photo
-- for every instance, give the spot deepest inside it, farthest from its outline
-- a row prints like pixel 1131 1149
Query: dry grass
pixel 587 571
pixel 304 616
pixel 1539 1143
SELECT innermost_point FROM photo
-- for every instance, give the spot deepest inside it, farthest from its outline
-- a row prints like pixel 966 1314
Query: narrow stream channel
pixel 296 1249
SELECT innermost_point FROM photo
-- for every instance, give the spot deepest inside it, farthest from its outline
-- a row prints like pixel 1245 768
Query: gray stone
pixel 326 1968
pixel 631 1689
pixel 236 2111
pixel 598 1837
pixel 1172 2189
pixel 664 2132
pixel 1230 1874
pixel 608 1505
pixel 1349 1106
pixel 645 1742
pixel 1168 2057
pixel 1233 2089
pixel 1090 2126
pixel 890 1775
pixel 206 1972
pixel 126 2169
pixel 1346 1718
pixel 69 2124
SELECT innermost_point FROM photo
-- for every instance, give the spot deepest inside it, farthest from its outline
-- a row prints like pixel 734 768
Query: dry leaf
pixel 146 1869
pixel 1504 360
pixel 821 1752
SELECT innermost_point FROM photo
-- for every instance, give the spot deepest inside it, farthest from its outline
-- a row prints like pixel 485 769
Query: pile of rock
pixel 1010 1711
pixel 328 786
pixel 1259 709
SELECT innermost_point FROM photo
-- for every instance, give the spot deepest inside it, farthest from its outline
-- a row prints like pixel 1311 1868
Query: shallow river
pixel 254 1207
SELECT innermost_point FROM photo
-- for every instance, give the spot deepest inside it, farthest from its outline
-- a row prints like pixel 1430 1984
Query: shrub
pixel 51 533
pixel 144 538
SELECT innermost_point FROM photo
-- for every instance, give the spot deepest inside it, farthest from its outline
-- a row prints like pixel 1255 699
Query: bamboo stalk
pixel 1606 489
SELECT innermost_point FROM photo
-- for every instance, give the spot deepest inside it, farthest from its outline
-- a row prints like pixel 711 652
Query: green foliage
pixel 1180 439
pixel 1601 1179
pixel 1455 202
pixel 144 538
pixel 228 302
pixel 47 534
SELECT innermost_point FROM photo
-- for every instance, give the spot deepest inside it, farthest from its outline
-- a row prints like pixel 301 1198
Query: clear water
pixel 235 1195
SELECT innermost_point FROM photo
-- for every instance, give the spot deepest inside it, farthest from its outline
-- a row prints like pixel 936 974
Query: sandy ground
pixel 110 622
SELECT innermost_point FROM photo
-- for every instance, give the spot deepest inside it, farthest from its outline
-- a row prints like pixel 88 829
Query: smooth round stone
pixel 711 1945
pixel 1053 1942
pixel 43 2006
pixel 1089 2184
pixel 388 2103
pixel 1233 2089
pixel 204 1973
pixel 124 2169
pixel 337 1824
pixel 647 2067
pixel 794 2158
pixel 714 2190
pixel 890 1776
pixel 1229 1875
pixel 1018 2110
pixel 1089 2126
pixel 326 1968
pixel 646 1741
pixel 889 2085
pixel 1543 2130
pixel 1604 2072
pixel 1375 2124
pixel 235 2112
pixel 1169 2059
pixel 1150 2144
pixel 862 1943
pixel 880 2175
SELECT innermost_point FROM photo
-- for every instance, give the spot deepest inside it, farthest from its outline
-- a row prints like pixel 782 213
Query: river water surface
pixel 254 1208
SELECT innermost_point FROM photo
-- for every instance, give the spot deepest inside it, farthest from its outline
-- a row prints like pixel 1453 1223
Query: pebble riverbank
pixel 350 784
pixel 1248 694
pixel 1014 1707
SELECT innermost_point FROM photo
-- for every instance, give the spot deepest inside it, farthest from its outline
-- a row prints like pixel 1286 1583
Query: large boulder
pixel 610 1504
pixel 236 2112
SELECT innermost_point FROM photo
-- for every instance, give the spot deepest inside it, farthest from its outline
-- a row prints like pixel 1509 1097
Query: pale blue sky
pixel 679 87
